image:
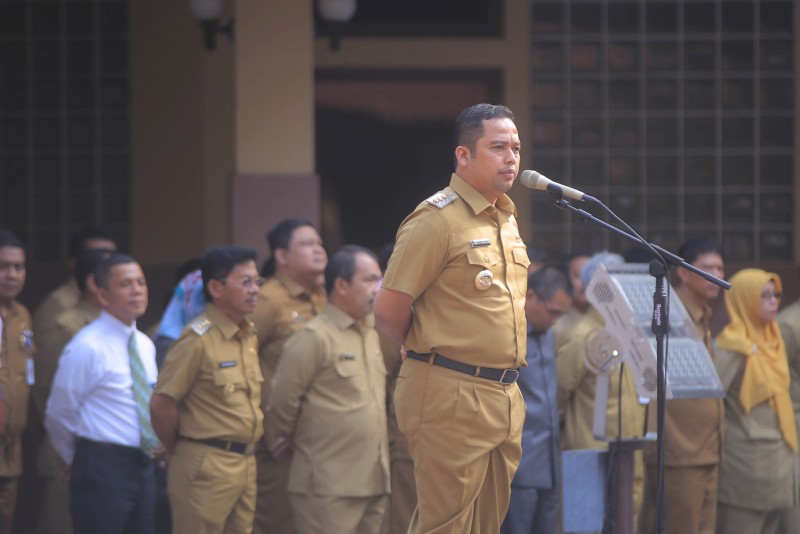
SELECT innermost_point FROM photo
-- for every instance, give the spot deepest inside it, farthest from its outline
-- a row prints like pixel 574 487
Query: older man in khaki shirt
pixel 329 404
pixel 460 262
pixel 206 407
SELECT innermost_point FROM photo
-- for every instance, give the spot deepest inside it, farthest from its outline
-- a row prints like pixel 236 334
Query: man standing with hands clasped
pixel 460 262
pixel 206 408
pixel 97 414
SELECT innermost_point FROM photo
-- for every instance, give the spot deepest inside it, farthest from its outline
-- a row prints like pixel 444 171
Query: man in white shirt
pixel 96 415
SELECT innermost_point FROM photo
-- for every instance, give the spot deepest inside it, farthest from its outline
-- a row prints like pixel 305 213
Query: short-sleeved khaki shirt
pixel 16 348
pixel 51 341
pixel 466 267
pixel 283 307
pixel 329 399
pixel 213 373
pixel 64 297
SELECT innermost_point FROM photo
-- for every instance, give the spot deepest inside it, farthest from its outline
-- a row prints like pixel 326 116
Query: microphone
pixel 537 180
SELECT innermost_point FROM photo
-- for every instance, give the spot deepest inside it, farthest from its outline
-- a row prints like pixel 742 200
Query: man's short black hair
pixel 87 263
pixel 281 237
pixel 104 267
pixel 78 240
pixel 219 261
pixel 343 264
pixel 695 247
pixel 548 280
pixel 578 253
pixel 10 239
pixel 469 124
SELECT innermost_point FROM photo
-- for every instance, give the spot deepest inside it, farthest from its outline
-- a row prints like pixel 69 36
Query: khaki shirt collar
pixel 344 321
pixel 228 328
pixel 86 307
pixel 700 314
pixel 294 289
pixel 478 202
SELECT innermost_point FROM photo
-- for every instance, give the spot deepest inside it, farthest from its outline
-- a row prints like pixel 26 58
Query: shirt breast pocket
pixel 521 264
pixel 481 273
pixel 228 381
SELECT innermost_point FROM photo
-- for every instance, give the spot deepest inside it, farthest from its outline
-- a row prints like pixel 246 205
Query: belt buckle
pixel 250 449
pixel 502 379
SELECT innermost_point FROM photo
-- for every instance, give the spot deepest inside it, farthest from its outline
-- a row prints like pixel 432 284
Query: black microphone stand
pixel 660 323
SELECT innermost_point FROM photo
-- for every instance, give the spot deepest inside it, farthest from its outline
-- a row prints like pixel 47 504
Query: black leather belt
pixel 248 449
pixel 504 376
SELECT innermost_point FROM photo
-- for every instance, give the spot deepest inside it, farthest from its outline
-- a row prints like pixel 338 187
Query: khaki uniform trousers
pixel 8 501
pixel 464 436
pixel 404 496
pixel 274 513
pixel 332 514
pixel 735 520
pixel 690 499
pixel 211 491
pixel 54 516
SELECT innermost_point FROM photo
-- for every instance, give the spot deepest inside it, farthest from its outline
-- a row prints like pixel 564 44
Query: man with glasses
pixel 207 404
pixel 534 491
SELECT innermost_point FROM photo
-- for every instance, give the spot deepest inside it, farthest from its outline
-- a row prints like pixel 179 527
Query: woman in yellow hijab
pixel 758 478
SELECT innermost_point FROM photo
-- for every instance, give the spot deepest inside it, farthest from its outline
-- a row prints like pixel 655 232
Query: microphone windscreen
pixel 531 179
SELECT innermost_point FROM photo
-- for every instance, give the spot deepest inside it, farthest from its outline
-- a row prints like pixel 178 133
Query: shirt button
pixel 486 259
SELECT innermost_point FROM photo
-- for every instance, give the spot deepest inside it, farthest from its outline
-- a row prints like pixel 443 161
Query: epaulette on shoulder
pixel 200 325
pixel 441 199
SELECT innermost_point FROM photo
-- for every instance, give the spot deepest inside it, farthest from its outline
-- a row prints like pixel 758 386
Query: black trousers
pixel 112 490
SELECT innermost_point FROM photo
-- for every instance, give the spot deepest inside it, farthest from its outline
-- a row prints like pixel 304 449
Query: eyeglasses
pixel 247 283
pixel 555 314
pixel 769 295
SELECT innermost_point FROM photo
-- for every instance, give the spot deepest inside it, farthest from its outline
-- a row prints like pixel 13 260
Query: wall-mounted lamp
pixel 209 12
pixel 336 14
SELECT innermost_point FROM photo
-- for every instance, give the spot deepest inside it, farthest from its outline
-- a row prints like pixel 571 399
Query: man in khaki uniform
pixel 577 386
pixel 16 371
pixel 206 407
pixel 460 262
pixel 693 428
pixel 329 404
pixel 573 265
pixel 54 516
pixel 67 295
pixel 294 294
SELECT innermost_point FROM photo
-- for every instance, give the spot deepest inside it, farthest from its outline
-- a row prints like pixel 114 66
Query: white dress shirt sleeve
pixel 75 378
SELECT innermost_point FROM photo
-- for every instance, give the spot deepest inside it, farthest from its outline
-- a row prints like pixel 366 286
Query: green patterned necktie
pixel 142 391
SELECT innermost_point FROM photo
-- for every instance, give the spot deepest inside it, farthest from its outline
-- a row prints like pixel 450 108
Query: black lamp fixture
pixel 209 12
pixel 336 14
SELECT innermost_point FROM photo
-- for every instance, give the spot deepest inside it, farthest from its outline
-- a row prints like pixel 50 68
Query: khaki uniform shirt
pixel 561 330
pixel 64 297
pixel 283 307
pixel 49 346
pixel 789 322
pixel 450 244
pixel 213 373
pixel 50 342
pixel 329 400
pixel 16 348
pixel 693 428
pixel 576 393
pixel 759 470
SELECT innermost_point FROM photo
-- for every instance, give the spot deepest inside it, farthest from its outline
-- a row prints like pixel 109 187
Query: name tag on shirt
pixel 225 365
pixel 346 357
pixel 480 243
